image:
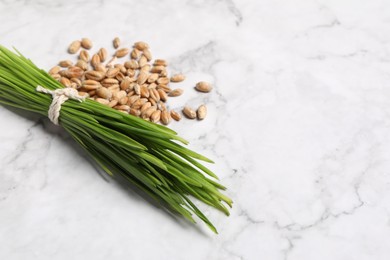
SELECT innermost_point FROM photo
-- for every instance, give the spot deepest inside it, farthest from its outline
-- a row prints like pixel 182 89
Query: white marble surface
pixel 299 127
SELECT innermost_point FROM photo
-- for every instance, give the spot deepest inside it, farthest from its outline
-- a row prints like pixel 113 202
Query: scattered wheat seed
pixel 116 42
pixel 189 113
pixel 74 47
pixel 176 116
pixel 203 86
pixel 201 112
pixel 86 43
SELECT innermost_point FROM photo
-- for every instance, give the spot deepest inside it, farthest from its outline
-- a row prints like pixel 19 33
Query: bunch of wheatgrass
pixel 147 155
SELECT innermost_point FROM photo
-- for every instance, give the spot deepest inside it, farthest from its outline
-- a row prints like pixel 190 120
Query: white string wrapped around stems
pixel 59 97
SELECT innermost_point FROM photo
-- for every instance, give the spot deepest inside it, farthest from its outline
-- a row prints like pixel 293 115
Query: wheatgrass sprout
pixel 148 155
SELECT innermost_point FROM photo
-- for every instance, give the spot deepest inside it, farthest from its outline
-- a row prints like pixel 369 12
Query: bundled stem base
pixel 148 155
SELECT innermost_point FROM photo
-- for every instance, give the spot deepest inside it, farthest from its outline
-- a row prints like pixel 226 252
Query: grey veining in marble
pixel 298 126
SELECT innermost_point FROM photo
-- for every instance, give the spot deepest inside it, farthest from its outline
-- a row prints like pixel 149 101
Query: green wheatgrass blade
pixel 126 164
pixel 174 147
pixel 22 92
pixel 109 135
pixel 145 154
pixel 83 116
pixel 141 132
pixel 17 106
pixel 185 167
pixel 203 196
pixel 212 200
pixel 178 170
pixel 75 126
pixel 101 110
pixel 208 184
pixel 201 215
pixel 168 199
pixel 177 197
pixel 212 203
pixel 152 159
pixel 199 166
pixel 178 207
pixel 114 170
pixel 97 159
pixel 158 175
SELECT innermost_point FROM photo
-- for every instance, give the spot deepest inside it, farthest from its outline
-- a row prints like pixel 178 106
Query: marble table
pixel 298 125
